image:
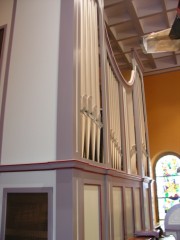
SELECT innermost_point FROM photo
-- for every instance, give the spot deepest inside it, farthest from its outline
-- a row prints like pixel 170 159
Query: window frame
pixel 155 176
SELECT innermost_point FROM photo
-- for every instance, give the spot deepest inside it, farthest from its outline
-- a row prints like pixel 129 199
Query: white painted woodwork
pixel 172 221
pixel 89 199
pixel 129 212
pixel 6 8
pixel 117 214
pixel 137 204
pixel 29 133
pixel 91 213
pixel 146 208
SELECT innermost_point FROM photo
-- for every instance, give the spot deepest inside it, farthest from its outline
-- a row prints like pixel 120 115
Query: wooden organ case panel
pixel 92 226
pixel 26 216
pixel 118 230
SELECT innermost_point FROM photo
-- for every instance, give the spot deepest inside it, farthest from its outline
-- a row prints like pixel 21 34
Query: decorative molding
pixel 115 67
pixel 87 166
pixel 7 74
pixel 4 27
pixel 133 151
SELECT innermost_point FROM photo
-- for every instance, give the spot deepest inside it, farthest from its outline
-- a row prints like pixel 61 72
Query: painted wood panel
pixel 6 8
pixel 91 213
pixel 137 209
pixel 129 212
pixel 29 133
pixel 147 208
pixel 118 214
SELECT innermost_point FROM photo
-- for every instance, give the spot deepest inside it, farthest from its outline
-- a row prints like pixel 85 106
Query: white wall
pixel 6 7
pixel 29 180
pixel 30 115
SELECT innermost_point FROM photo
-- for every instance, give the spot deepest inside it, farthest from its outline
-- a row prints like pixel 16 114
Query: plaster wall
pixel 29 133
pixel 163 112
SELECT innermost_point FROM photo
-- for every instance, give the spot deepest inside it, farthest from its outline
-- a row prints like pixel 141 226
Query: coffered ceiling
pixel 129 20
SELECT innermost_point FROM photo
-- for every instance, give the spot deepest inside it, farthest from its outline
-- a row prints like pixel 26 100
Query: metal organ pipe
pixel 82 74
pixel 90 93
pixel 87 77
pixel 114 117
pixel 90 81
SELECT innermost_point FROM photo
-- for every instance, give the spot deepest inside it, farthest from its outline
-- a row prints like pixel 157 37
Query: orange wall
pixel 162 93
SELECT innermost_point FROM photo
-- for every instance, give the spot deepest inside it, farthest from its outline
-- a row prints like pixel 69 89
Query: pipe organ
pixel 142 123
pixel 91 118
pixel 120 96
pixel 130 130
pixel 114 119
pixel 79 137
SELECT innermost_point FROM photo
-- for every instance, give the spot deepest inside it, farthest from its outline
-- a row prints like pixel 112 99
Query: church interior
pixel 89 120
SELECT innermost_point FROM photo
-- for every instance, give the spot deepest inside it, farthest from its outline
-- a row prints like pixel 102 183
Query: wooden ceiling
pixel 129 20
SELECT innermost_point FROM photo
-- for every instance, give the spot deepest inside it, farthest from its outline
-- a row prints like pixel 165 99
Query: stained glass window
pixel 168 183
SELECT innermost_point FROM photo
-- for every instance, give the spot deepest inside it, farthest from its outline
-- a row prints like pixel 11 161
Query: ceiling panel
pixel 129 20
pixel 146 7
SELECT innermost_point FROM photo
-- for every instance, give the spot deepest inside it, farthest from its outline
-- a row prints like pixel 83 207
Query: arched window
pixel 168 183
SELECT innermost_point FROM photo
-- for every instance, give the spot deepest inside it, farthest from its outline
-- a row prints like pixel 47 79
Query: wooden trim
pixel 4 27
pixel 7 75
pixel 99 185
pixel 66 145
pixel 86 166
pixel 115 67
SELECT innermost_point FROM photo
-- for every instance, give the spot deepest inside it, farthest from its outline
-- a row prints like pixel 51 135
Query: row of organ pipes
pixel 114 118
pixel 90 81
pixel 91 100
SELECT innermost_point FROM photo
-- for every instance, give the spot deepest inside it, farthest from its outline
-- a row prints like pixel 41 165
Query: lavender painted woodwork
pixel 6 74
pixel 70 177
pixel 2 37
pixel 29 129
pixel 67 86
